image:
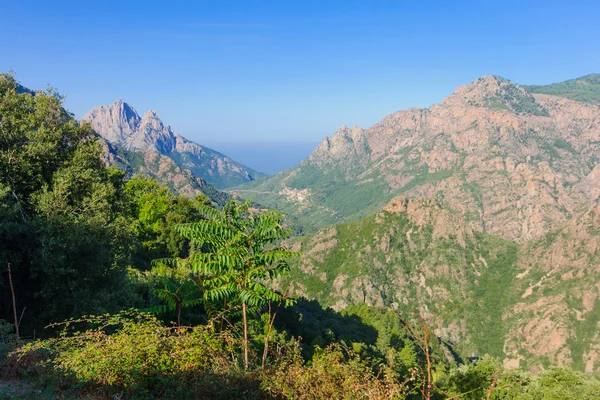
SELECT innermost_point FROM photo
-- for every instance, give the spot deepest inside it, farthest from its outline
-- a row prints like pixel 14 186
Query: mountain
pixel 531 304
pixel 121 125
pixel 585 89
pixel 508 162
pixel 556 316
pixel 163 169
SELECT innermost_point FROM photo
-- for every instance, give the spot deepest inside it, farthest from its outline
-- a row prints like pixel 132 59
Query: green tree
pixel 174 286
pixel 153 212
pixel 241 252
pixel 59 214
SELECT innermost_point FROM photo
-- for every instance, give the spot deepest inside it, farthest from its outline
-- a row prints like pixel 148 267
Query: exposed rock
pixel 510 163
pixel 536 303
pixel 121 125
pixel 161 168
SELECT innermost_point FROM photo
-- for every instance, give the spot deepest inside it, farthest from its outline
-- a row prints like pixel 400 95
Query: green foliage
pixel 60 228
pixel 335 373
pixel 472 381
pixel 131 355
pixel 238 253
pixel 585 89
pixel 372 332
pixel 486 377
pixel 153 213
pixel 69 226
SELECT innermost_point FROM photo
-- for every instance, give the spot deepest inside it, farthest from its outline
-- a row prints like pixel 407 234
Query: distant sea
pixel 266 157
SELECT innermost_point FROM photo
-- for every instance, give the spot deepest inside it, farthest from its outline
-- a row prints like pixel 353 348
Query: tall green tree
pixel 153 211
pixel 60 216
pixel 240 250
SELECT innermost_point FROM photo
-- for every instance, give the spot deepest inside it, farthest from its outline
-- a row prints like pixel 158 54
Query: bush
pixel 132 355
pixel 334 373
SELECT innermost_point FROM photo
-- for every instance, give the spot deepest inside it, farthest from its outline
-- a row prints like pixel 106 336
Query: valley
pixel 486 201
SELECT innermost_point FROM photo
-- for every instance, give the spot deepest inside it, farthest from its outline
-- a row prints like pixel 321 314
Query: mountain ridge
pixel 154 165
pixel 120 124
pixel 511 162
pixel 585 89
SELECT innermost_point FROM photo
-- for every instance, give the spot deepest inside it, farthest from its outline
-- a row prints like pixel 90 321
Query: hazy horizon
pixel 265 157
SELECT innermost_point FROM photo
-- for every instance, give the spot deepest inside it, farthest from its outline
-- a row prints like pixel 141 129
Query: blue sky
pixel 284 71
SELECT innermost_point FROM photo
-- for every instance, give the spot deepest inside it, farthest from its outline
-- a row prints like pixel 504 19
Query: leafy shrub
pixel 132 354
pixel 334 373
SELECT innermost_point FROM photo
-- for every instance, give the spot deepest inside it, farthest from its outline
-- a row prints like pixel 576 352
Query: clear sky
pixel 246 71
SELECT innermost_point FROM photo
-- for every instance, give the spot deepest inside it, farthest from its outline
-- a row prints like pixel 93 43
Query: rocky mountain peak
pixel 151 114
pixel 345 141
pixel 497 94
pixel 348 133
pixel 115 122
pixel 120 124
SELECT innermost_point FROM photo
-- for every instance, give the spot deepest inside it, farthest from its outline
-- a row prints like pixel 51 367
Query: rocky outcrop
pixel 556 314
pixel 121 125
pixel 528 305
pixel 509 162
pixel 154 165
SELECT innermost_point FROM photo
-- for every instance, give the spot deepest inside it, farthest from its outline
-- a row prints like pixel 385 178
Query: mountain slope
pixel 510 163
pixel 585 89
pixel 556 317
pixel 413 255
pixel 530 305
pixel 120 124
pixel 161 168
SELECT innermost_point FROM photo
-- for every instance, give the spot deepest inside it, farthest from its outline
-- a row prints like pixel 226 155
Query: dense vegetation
pixel 162 296
pixel 585 89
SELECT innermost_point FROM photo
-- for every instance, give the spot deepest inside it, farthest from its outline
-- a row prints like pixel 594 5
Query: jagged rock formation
pixel 121 125
pixel 530 304
pixel 508 162
pixel 161 168
pixel 498 215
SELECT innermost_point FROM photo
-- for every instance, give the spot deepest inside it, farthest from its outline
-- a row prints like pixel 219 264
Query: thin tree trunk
pixel 178 314
pixel 266 349
pixel 245 323
pixel 426 343
pixel 14 301
pixel 491 389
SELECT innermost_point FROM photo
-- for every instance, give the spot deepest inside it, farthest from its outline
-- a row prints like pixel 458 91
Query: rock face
pixel 509 162
pixel 487 202
pixel 556 315
pixel 121 125
pixel 527 304
pixel 161 168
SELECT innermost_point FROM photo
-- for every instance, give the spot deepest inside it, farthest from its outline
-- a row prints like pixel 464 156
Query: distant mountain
pixel 585 89
pixel 121 125
pixel 530 305
pixel 154 165
pixel 508 162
